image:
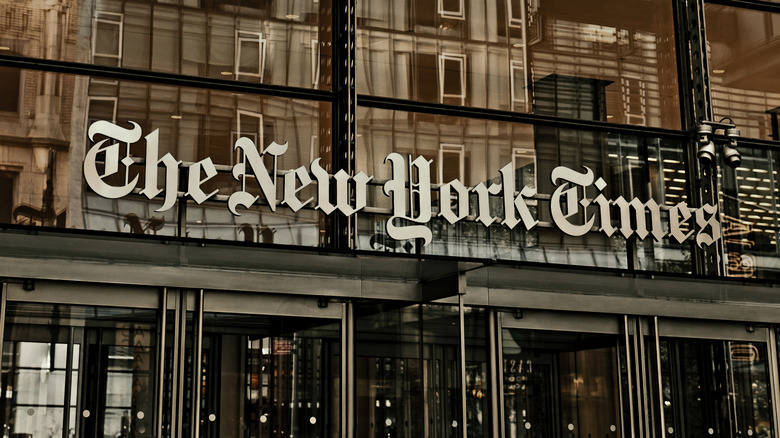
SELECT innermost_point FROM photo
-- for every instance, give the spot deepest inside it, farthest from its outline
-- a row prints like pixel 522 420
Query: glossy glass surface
pixel 474 151
pixel 264 41
pixel 744 60
pixel 42 179
pixel 407 371
pixel 267 376
pixel 609 61
pixel 750 219
pixel 559 384
pixel 78 371
pixel 715 388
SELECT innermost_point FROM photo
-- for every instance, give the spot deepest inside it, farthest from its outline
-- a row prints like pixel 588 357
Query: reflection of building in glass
pixel 493 55
pixel 548 279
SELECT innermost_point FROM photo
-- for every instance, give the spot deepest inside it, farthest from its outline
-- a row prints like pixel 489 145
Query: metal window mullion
pixel 196 364
pixel 774 380
pixel 659 377
pixel 3 302
pixel 630 371
pixel 180 332
pixel 494 373
pixel 462 324
pixel 499 372
pixel 161 359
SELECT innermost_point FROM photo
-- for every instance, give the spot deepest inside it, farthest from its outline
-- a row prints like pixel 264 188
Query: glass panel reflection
pixel 591 60
pixel 407 371
pixel 42 171
pixel 476 151
pixel 267 41
pixel 744 60
pixel 559 384
pixel 715 388
pixel 269 376
pixel 78 371
pixel 750 218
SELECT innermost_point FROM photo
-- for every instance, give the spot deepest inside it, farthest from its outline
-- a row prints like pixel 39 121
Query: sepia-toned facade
pixel 404 218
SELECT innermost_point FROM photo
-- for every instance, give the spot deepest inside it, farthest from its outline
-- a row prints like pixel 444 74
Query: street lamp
pixel 706 153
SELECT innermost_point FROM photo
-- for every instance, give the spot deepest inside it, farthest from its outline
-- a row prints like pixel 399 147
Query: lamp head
pixel 706 153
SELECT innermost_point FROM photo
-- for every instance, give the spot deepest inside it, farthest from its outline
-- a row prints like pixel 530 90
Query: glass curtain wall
pixel 612 61
pixel 475 153
pixel 78 371
pixel 562 383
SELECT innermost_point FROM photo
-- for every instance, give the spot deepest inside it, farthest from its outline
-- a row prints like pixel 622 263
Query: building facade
pixel 407 218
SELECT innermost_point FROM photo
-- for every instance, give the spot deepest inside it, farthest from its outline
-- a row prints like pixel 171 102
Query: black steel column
pixel 696 106
pixel 342 228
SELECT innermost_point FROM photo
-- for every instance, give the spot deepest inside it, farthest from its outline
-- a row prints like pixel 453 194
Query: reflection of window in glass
pixel 451 9
pixel 248 124
pixel 10 80
pixel 515 11
pixel 315 62
pixel 524 162
pixel 519 86
pixel 107 38
pixel 451 162
pixel 250 54
pixel 101 108
pixel 452 78
pixel 314 148
pixel 634 100
pixel 6 196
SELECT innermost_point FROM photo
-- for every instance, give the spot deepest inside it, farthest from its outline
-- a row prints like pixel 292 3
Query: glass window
pixel 45 185
pixel 713 387
pixel 562 384
pixel 750 218
pixel 270 376
pixel 569 58
pixel 78 371
pixel 407 371
pixel 744 60
pixel 265 41
pixel 476 153
pixel 10 81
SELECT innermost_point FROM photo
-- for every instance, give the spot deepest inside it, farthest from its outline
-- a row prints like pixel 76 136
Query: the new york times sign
pixel 628 217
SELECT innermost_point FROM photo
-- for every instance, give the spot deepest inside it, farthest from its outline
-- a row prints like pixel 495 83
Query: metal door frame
pixel 570 322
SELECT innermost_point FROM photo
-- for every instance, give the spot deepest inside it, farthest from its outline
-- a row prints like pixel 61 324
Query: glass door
pixel 714 379
pixel 78 370
pixel 270 366
pixel 564 375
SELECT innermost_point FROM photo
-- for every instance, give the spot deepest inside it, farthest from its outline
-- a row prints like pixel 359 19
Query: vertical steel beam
pixel 343 113
pixel 494 373
pixel 161 332
pixel 197 354
pixel 462 325
pixel 774 380
pixel 696 107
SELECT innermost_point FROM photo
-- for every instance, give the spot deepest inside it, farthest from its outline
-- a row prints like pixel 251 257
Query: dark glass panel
pixel 269 376
pixel 474 152
pixel 744 61
pixel 559 384
pixel 286 43
pixel 42 180
pixel 78 371
pixel 590 60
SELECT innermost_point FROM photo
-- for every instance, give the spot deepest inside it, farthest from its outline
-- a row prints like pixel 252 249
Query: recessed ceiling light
pixel 610 116
pixel 176 117
pixel 292 16
pixel 5 48
pixel 718 71
pixel 226 73
pixel 518 45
